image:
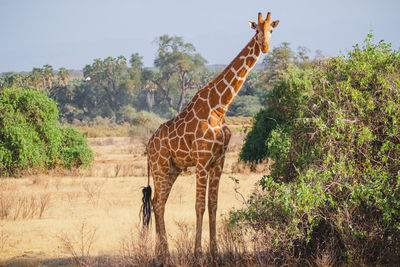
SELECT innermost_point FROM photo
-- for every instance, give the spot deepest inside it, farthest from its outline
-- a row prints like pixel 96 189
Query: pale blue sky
pixel 72 33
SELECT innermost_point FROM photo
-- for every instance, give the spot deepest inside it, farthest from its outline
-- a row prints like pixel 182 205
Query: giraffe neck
pixel 225 87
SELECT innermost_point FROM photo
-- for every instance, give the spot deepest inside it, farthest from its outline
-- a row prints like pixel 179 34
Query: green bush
pixel 335 183
pixel 30 137
pixel 74 149
pixel 284 103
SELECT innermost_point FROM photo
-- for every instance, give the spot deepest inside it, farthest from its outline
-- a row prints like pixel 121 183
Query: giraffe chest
pixel 202 142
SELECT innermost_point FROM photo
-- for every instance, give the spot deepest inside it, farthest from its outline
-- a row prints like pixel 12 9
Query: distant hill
pixel 75 74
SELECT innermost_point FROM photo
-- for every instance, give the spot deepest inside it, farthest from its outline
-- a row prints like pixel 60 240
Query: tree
pixel 179 59
pixel 106 76
pixel 47 73
pixel 35 79
pixel 302 54
pixel 62 92
pixel 140 81
pixel 277 60
pixel 136 61
pixel 11 80
pixel 62 77
pixel 59 84
pixel 84 101
pixel 244 105
pixel 149 87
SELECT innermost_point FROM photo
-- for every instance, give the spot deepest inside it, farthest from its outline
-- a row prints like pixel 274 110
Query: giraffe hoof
pixel 156 263
pixel 159 262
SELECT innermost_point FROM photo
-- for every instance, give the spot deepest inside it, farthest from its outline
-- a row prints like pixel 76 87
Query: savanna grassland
pixel 57 218
pixel 329 127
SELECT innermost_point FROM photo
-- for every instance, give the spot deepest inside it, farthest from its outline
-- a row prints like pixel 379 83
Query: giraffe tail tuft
pixel 145 210
pixel 147 203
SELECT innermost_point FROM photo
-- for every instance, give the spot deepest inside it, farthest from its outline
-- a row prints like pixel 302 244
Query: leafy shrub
pixel 30 137
pixel 284 102
pixel 74 149
pixel 335 183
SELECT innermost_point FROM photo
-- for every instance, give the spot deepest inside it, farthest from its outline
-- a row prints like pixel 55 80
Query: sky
pixel 72 33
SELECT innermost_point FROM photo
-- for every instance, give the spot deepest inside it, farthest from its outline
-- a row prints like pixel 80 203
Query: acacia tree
pixel 179 60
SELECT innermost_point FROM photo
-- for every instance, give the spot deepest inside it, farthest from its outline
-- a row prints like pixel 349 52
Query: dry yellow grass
pixel 96 212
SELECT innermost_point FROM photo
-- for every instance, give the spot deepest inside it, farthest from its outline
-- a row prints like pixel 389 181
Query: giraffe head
pixel 264 30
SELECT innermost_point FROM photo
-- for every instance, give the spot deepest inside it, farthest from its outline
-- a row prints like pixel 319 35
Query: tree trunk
pixel 150 100
pixel 181 100
pixel 184 89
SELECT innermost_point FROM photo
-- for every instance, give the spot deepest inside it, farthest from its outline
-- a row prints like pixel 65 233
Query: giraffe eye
pixel 271 31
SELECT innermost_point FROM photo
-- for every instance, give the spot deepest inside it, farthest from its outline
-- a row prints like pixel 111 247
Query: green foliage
pixel 284 102
pixel 254 148
pixel 177 61
pixel 127 114
pixel 335 142
pixel 30 137
pixel 73 149
pixel 110 84
pixel 38 78
pixel 244 105
pixel 105 77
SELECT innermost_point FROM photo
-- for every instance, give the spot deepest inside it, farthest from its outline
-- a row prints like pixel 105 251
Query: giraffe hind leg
pixel 201 186
pixel 162 187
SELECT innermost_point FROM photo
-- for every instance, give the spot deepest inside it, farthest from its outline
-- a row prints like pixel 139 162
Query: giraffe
pixel 198 137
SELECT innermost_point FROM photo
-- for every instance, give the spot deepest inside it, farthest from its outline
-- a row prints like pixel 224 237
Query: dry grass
pixel 79 245
pixel 137 249
pixel 4 237
pixel 104 130
pixel 41 216
pixel 16 204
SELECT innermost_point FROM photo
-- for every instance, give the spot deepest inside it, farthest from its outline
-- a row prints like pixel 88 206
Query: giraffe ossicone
pixel 198 136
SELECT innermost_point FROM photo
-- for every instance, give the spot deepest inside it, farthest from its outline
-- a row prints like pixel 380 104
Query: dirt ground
pixel 93 212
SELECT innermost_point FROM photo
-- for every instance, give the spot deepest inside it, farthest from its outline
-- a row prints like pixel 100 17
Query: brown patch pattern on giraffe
pixel 199 137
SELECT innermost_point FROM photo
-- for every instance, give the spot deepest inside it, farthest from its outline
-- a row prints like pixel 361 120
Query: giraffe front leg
pixel 201 186
pixel 213 185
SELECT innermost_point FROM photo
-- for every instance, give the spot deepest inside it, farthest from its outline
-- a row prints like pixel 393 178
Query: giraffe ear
pixel 275 23
pixel 253 25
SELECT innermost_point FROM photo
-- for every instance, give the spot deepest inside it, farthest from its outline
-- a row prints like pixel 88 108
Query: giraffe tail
pixel 145 210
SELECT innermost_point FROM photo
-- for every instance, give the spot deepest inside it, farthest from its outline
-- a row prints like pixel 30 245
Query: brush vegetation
pixel 333 132
pixel 30 137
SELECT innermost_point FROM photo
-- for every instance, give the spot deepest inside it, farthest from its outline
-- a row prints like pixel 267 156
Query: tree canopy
pixel 114 87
